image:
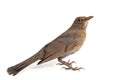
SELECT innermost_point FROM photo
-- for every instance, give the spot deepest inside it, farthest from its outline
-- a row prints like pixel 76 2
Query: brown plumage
pixel 64 45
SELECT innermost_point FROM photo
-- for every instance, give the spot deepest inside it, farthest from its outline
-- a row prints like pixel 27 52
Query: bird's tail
pixel 17 68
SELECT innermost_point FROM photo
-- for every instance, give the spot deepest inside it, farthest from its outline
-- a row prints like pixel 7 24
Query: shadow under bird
pixel 64 45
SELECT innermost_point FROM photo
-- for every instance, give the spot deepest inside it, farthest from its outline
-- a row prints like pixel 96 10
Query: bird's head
pixel 81 22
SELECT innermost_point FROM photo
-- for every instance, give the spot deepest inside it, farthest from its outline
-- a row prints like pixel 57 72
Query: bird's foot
pixel 72 68
pixel 69 65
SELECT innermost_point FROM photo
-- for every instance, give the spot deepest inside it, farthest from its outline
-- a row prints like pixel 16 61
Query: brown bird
pixel 64 45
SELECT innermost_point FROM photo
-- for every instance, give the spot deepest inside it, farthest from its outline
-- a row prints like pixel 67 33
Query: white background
pixel 27 25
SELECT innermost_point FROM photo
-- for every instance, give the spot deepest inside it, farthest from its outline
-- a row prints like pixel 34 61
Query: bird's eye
pixel 82 19
pixel 78 19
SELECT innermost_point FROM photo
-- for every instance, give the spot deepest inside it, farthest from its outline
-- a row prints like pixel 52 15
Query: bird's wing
pixel 53 50
pixel 62 46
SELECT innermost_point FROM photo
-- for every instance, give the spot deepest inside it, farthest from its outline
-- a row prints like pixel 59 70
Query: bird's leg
pixel 68 64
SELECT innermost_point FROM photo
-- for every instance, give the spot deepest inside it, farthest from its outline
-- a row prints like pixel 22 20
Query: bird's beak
pixel 88 18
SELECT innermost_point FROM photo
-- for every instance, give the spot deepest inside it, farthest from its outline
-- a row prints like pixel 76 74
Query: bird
pixel 64 45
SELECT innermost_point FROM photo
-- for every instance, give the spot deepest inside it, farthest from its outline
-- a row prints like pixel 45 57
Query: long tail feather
pixel 17 68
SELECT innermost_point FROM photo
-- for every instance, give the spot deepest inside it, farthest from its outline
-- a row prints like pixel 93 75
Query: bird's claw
pixel 68 63
pixel 74 69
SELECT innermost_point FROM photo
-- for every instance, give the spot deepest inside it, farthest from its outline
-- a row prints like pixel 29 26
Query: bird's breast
pixel 79 41
pixel 76 43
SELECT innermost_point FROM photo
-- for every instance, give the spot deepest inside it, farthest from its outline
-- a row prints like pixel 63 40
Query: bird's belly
pixel 73 50
pixel 77 47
